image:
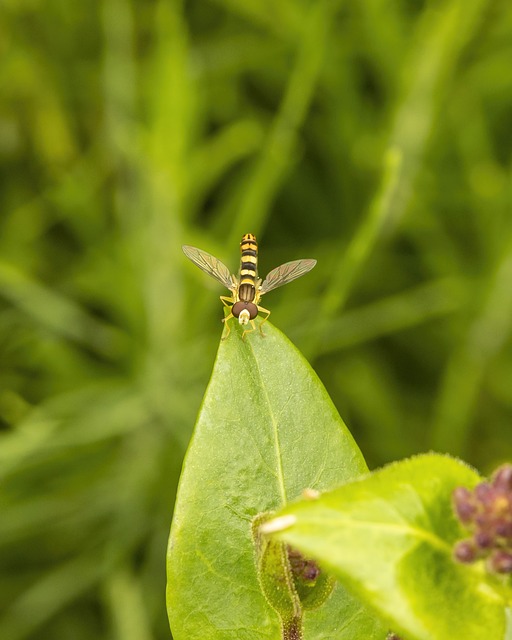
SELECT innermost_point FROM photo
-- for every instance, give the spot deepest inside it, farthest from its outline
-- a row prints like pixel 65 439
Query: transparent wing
pixel 210 265
pixel 286 273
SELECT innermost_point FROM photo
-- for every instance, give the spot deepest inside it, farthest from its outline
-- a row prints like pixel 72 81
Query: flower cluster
pixel 487 513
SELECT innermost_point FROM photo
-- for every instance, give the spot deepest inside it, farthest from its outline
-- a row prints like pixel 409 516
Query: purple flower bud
pixel 502 478
pixel 504 529
pixel 485 493
pixel 500 562
pixel 311 572
pixel 302 568
pixel 465 552
pixel 483 539
pixel 464 504
pixel 482 519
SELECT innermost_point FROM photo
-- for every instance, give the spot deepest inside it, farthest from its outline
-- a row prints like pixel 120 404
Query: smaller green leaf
pixel 290 582
pixel 389 537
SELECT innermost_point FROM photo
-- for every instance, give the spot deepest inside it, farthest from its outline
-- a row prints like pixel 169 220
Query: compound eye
pixel 237 309
pixel 252 309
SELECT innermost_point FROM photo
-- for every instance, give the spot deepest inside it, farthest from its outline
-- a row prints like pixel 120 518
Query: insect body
pixel 246 288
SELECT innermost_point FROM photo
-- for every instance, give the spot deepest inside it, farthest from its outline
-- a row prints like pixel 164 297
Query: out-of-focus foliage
pixel 373 136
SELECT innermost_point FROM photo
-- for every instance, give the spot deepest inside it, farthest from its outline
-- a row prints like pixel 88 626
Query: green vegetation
pixel 372 136
pixel 389 538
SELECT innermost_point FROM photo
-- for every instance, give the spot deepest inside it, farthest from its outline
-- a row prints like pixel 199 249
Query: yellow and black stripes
pixel 248 268
pixel 246 289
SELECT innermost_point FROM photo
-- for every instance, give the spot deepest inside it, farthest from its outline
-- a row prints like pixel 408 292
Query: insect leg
pixel 225 321
pixel 263 310
pixel 227 301
pixel 249 330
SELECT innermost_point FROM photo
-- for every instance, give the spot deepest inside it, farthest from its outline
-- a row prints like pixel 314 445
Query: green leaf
pixel 266 430
pixel 389 538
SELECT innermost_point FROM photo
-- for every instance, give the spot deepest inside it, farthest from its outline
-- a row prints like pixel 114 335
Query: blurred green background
pixel 374 136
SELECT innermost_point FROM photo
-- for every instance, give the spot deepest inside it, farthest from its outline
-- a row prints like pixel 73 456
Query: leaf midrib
pixel 413 532
pixel 277 444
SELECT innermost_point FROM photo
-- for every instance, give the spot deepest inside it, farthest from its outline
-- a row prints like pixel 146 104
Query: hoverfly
pixel 246 288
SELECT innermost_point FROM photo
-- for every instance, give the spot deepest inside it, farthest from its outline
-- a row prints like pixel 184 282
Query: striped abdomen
pixel 248 268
